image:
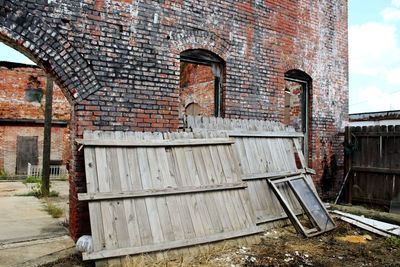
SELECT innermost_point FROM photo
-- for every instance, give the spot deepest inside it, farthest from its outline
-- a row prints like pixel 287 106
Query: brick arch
pixel 30 35
pixel 202 40
pixel 298 74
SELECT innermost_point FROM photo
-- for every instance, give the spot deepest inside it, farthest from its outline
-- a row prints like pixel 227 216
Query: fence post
pixel 29 169
pixel 347 165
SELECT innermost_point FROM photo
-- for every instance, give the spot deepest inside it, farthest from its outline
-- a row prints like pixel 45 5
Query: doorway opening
pixel 201 76
pixel 22 113
pixel 297 104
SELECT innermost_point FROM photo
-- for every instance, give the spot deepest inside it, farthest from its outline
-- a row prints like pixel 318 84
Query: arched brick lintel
pixel 194 39
pixel 30 35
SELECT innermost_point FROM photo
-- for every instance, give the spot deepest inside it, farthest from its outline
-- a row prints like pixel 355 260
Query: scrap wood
pixel 363 226
pixel 373 214
pixel 342 187
pixel 378 227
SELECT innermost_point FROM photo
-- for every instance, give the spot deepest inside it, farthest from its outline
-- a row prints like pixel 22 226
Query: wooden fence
pixel 264 149
pixel 373 158
pixel 151 192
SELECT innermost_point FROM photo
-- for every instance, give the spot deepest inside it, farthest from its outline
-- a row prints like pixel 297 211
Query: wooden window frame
pixel 317 229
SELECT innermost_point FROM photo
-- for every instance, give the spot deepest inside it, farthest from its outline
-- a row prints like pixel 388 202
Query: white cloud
pixel 374 61
pixel 373 48
pixel 391 14
pixel 393 76
pixel 373 98
pixel 396 3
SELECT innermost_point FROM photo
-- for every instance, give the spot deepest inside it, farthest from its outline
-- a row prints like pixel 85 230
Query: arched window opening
pixel 200 83
pixel 297 104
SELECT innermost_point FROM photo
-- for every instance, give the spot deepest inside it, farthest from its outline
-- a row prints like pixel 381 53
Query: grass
pixel 215 255
pixel 53 210
pixel 32 180
pixel 393 241
pixel 36 189
pixel 38 193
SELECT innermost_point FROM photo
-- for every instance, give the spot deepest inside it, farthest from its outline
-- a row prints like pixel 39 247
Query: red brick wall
pixel 1 150
pixel 197 86
pixel 13 85
pixel 15 80
pixel 8 144
pixel 118 63
pixel 293 105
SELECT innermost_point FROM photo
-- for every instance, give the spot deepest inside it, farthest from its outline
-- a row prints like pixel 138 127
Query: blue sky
pixel 374 55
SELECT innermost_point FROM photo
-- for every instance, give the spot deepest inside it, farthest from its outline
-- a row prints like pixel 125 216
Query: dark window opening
pixel 33 91
pixel 200 83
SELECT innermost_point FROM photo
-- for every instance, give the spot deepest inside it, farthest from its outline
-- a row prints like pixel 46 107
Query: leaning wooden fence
pixel 150 192
pixel 267 151
pixel 373 157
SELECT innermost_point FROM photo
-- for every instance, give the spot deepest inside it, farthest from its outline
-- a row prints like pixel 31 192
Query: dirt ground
pixel 283 247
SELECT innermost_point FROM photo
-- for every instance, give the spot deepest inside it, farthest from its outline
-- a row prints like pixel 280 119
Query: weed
pixel 393 241
pixel 36 191
pixel 3 174
pixel 53 210
pixel 32 180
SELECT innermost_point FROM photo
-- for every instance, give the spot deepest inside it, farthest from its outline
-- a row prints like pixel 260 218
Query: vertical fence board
pixel 375 164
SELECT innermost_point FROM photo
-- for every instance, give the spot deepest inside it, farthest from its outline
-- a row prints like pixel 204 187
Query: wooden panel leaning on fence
pixel 268 153
pixel 152 192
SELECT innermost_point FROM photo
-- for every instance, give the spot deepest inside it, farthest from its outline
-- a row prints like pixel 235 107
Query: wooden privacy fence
pixel 266 150
pixel 150 192
pixel 373 158
pixel 159 191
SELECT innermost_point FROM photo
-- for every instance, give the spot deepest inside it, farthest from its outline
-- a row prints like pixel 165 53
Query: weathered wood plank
pixel 92 186
pixel 375 170
pixel 154 142
pixel 265 134
pixel 170 245
pixel 273 175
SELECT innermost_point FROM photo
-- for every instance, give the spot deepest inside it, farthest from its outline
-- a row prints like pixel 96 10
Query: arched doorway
pixel 22 105
pixel 201 77
pixel 297 104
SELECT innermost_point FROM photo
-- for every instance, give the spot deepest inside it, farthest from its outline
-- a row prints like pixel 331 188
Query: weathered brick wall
pixel 197 86
pixel 16 80
pixel 8 142
pixel 118 62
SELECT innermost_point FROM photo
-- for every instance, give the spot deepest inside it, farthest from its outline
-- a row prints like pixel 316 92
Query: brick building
pixel 22 89
pixel 119 64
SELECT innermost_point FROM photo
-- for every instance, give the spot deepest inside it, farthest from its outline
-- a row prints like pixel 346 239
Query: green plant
pixel 36 191
pixel 3 174
pixel 32 180
pixel 53 210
